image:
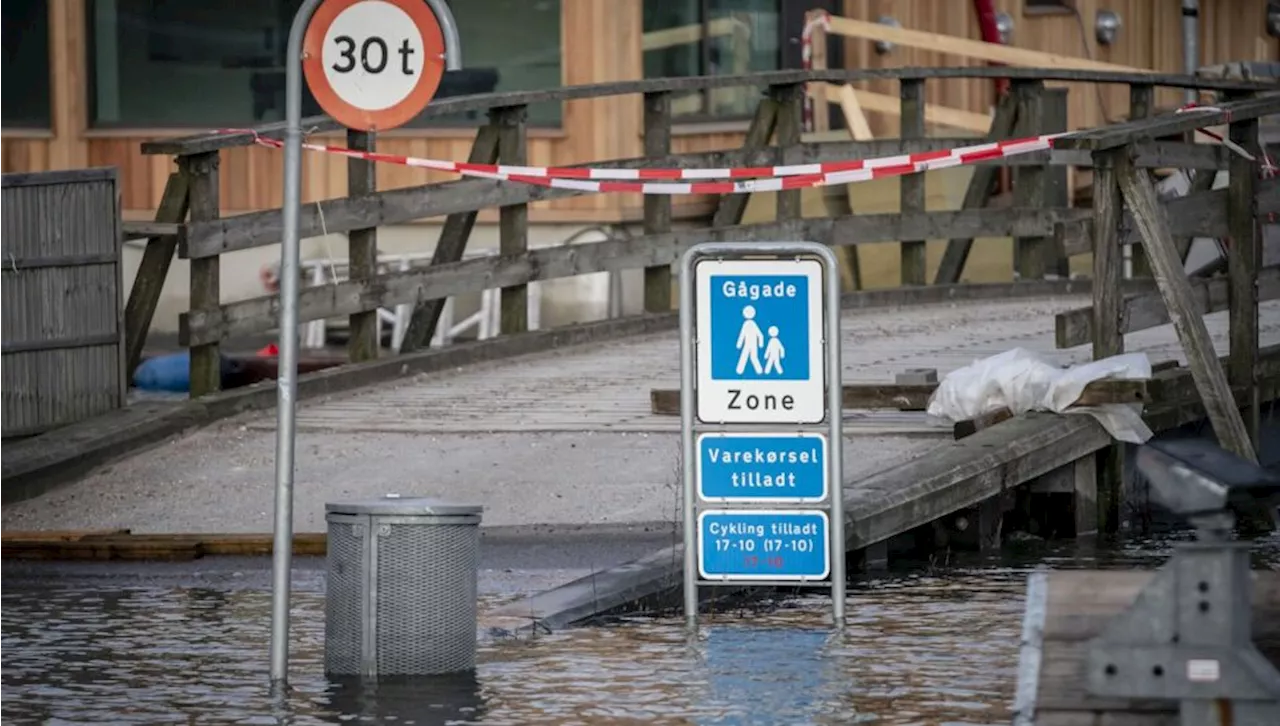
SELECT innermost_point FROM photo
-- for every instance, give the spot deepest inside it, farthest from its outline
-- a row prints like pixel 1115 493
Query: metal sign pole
pixel 798 526
pixel 688 344
pixel 286 378
pixel 286 382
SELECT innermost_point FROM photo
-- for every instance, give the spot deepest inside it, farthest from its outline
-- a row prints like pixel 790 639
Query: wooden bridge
pixel 616 375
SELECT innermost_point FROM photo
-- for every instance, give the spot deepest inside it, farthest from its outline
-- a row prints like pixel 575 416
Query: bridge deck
pixel 556 438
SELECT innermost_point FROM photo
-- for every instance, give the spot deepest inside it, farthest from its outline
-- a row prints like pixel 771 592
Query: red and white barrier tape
pixel 960 155
pixel 740 179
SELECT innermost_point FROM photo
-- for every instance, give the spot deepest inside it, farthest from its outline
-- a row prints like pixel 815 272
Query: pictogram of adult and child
pixel 750 339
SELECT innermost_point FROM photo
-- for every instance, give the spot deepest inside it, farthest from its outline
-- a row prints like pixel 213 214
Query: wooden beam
pixel 934 114
pixel 915 397
pixel 1210 379
pixel 261 313
pixel 966 48
pixel 450 247
pixel 732 206
pixel 657 207
pixel 406 204
pixel 442 107
pixel 1141 106
pixel 979 192
pixel 1172 124
pixel 1202 214
pixel 787 129
pixel 140 310
pixel 136 229
pixel 1147 310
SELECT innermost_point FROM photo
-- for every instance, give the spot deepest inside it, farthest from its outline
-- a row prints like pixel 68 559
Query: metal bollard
pixel 401 594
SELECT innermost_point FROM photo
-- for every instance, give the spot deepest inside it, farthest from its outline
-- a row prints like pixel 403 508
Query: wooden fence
pixel 63 353
pixel 1046 229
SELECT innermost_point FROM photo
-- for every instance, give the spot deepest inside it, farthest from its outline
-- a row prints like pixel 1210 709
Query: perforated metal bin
pixel 401 595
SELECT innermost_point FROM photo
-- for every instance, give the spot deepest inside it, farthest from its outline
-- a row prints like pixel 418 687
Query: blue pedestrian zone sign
pixel 760 322
pixel 762 467
pixel 760 357
pixel 763 545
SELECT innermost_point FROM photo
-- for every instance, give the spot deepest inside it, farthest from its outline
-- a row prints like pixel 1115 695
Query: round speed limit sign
pixel 373 64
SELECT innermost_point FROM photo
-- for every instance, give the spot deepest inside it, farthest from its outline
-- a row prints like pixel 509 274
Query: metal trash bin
pixel 401 593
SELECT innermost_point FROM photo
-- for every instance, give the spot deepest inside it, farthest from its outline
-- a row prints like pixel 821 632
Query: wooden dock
pixel 1064 610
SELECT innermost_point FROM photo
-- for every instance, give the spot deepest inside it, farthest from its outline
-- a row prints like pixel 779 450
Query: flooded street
pixel 136 643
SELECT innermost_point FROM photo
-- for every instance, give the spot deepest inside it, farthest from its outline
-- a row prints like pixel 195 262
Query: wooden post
pixel 731 207
pixel 657 207
pixel 152 272
pixel 1084 475
pixel 201 171
pixel 1057 194
pixel 513 220
pixel 1175 288
pixel 912 252
pixel 1244 256
pixel 363 342
pixel 1108 206
pixel 790 100
pixel 1030 254
pixel 978 193
pixel 450 246
pixel 1141 104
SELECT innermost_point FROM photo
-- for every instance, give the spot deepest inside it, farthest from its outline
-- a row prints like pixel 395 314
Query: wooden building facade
pixel 123 71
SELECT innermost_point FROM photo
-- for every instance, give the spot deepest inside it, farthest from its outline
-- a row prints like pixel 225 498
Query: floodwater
pixel 937 645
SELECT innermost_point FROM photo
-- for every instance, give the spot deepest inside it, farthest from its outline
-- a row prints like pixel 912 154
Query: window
pixel 217 63
pixel 711 37
pixel 26 97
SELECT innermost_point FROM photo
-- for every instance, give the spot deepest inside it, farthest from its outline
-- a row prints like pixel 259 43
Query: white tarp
pixel 1022 381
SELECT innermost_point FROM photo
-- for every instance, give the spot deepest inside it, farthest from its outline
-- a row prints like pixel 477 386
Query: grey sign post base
pixel 287 377
pixel 760 419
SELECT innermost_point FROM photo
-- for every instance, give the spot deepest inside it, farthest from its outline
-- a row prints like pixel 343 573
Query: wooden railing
pixel 1047 230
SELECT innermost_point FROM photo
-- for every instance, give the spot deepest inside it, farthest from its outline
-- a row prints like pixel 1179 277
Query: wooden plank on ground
pixel 915 397
pixel 1170 277
pixel 121 545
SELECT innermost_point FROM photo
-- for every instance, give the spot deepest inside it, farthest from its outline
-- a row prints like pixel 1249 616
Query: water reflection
pixel 924 648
